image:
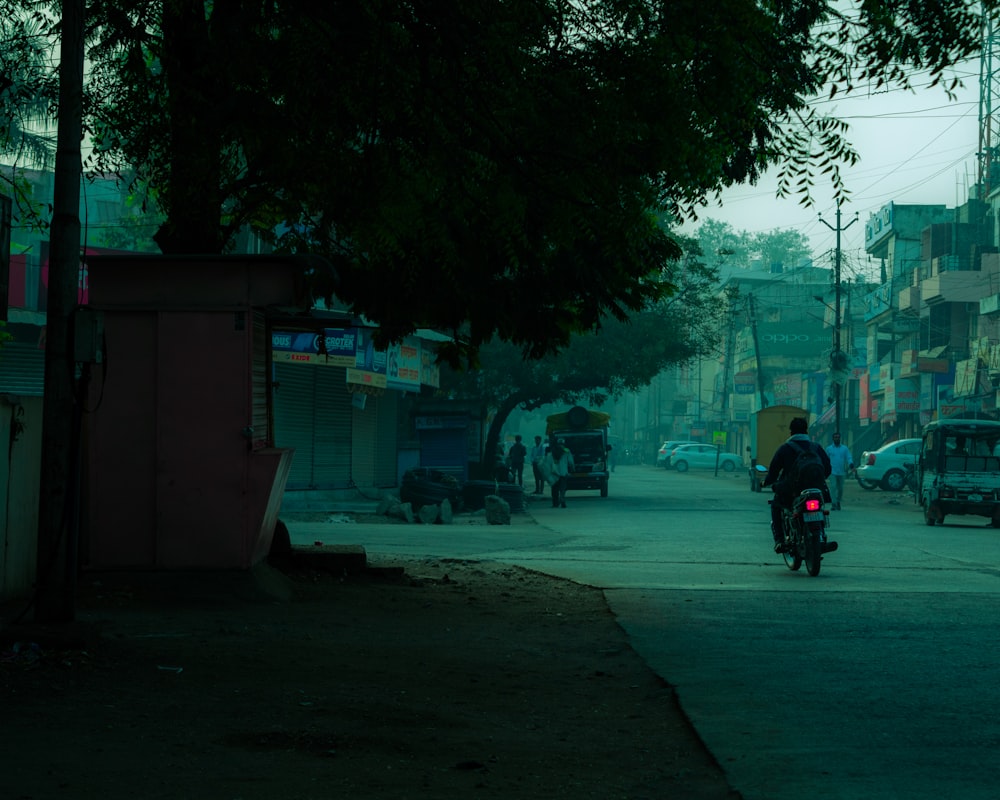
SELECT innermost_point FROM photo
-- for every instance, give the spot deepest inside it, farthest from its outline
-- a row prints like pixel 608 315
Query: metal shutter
pixel 22 369
pixel 259 418
pixel 332 449
pixel 364 439
pixel 444 450
pixel 386 427
pixel 294 412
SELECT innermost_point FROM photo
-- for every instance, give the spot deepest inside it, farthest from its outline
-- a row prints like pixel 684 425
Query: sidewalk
pixel 416 678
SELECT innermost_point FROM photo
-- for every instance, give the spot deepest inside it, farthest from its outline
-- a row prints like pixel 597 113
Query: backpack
pixel 807 471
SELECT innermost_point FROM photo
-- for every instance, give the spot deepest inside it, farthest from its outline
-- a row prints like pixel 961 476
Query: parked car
pixel 703 456
pixel 885 468
pixel 663 455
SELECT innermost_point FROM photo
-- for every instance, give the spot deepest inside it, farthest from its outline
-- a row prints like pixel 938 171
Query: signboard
pixel 788 389
pixel 335 347
pixel 430 372
pixel 965 377
pixel 801 338
pixel 404 366
pixel 902 396
pixel 370 365
pixel 745 382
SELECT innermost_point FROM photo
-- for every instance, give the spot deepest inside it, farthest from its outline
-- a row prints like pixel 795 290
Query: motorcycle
pixel 805 525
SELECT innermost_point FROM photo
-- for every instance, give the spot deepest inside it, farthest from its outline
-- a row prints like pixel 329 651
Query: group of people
pixel 837 465
pixel 550 464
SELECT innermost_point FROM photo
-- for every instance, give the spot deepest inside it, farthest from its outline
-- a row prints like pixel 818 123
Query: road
pixel 876 679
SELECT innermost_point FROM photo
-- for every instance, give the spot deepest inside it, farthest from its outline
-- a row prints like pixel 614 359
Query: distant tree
pixel 721 244
pixel 491 169
pixel 786 247
pixel 622 356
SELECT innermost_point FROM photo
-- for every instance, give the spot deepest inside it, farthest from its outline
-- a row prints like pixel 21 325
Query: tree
pixel 723 245
pixel 454 159
pixel 786 247
pixel 620 357
pixel 26 89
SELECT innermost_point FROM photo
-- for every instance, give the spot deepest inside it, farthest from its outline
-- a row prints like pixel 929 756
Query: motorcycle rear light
pixel 813 505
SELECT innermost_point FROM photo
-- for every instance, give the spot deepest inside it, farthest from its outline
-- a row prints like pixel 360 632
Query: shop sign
pixel 334 347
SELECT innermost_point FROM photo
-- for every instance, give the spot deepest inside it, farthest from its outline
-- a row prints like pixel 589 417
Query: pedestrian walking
pixel 537 459
pixel 558 466
pixel 841 464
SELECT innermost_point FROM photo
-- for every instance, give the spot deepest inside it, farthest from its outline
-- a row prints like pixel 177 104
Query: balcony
pixel 956 287
pixel 909 300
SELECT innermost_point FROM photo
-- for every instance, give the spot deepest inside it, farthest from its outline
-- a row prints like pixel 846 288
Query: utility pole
pixel 752 313
pixel 838 359
pixel 727 363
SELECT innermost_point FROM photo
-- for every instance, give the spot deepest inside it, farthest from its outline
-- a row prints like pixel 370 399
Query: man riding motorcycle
pixel 778 474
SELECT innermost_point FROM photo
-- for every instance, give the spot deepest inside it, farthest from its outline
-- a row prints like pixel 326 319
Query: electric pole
pixel 752 314
pixel 838 359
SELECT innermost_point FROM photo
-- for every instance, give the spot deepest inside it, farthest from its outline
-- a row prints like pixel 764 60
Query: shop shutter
pixel 332 448
pixel 259 417
pixel 294 412
pixel 364 441
pixel 444 450
pixel 386 427
pixel 22 369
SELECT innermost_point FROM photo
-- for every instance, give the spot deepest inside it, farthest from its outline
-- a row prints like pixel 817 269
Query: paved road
pixel 876 679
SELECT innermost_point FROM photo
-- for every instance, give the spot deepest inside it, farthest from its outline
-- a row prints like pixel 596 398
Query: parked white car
pixel 885 468
pixel 668 447
pixel 703 456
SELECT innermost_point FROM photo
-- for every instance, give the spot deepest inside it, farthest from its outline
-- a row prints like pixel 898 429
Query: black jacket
pixel 786 454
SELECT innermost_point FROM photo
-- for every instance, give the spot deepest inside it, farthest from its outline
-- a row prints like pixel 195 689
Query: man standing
pixel 841 463
pixel 537 457
pixel 516 455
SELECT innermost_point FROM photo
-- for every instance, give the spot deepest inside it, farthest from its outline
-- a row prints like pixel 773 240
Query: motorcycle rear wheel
pixel 814 552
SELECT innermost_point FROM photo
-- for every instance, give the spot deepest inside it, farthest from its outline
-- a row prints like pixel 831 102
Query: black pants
pixel 559 491
pixel 777 530
pixel 518 470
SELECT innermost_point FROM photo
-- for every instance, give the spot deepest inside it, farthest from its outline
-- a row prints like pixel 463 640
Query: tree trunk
pixel 58 508
pixel 192 195
pixel 493 434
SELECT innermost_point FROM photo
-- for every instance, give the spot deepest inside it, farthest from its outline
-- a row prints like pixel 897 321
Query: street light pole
pixel 838 361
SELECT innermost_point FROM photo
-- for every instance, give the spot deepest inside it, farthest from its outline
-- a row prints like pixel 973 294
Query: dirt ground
pixel 421 679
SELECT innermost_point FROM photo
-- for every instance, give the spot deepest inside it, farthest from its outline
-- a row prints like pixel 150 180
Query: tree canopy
pixel 490 169
pixel 620 357
pixel 723 244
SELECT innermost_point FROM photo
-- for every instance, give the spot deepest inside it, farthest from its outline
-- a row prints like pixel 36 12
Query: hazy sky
pixel 915 148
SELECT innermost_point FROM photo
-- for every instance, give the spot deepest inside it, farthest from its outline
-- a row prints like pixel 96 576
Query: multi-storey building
pixel 929 337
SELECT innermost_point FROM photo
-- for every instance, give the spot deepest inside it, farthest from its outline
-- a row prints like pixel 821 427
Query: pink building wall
pixel 172 480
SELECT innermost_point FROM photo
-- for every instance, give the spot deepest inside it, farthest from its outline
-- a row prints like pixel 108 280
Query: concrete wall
pixel 20 475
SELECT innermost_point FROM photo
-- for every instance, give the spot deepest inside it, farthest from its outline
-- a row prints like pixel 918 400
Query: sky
pixel 915 148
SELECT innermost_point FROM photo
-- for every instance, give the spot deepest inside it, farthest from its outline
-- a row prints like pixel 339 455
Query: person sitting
pixel 779 474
